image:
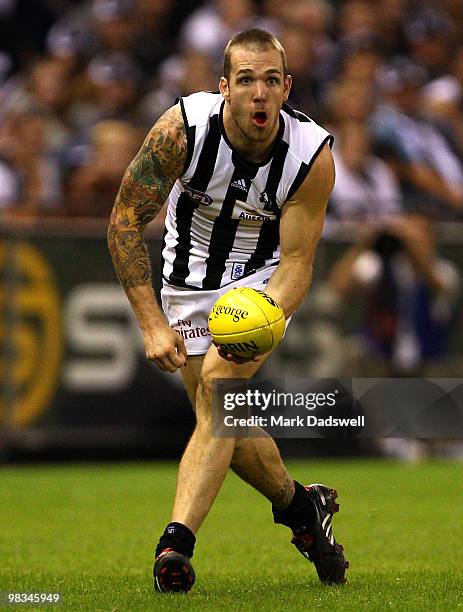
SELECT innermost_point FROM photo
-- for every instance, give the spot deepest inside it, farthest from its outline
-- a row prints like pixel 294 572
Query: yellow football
pixel 246 322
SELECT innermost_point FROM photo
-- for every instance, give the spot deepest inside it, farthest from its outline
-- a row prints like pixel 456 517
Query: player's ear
pixel 287 87
pixel 223 88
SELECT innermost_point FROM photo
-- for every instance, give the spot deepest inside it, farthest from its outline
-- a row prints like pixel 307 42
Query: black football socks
pixel 179 538
pixel 300 513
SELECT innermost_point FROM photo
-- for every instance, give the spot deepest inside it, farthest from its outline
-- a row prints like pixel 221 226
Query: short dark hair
pixel 253 38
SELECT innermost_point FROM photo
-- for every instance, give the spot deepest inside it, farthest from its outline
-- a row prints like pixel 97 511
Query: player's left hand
pixel 236 358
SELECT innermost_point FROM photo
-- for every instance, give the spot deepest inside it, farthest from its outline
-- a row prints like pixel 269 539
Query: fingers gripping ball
pixel 246 322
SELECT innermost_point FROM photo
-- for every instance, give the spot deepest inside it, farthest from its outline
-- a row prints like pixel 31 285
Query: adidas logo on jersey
pixel 239 184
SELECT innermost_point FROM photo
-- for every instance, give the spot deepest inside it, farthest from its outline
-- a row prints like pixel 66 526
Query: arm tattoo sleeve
pixel 146 184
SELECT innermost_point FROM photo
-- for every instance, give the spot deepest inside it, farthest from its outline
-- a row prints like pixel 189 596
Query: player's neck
pixel 251 150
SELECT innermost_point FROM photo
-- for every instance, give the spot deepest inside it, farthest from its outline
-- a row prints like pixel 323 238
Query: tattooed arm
pixel 146 184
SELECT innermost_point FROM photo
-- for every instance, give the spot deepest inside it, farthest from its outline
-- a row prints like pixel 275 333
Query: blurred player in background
pixel 247 181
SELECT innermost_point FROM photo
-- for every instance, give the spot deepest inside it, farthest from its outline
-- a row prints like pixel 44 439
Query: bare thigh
pixel 190 374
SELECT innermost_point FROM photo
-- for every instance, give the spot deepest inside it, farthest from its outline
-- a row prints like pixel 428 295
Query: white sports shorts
pixel 187 311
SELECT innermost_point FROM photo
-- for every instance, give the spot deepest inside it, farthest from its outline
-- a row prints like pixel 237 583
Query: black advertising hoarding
pixel 73 369
pixel 72 366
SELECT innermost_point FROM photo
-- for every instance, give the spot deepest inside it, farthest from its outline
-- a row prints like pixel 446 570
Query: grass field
pixel 89 531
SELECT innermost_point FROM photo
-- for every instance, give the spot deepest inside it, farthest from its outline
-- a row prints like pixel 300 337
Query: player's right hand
pixel 235 358
pixel 165 347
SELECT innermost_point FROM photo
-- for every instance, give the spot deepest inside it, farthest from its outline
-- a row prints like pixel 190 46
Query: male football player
pixel 246 179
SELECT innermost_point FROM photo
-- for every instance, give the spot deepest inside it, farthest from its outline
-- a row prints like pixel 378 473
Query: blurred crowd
pixel 82 81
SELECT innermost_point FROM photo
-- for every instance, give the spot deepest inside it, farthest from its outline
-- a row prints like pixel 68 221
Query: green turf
pixel 89 531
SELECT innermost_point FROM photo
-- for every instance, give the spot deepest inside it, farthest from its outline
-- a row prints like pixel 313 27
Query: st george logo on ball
pixel 246 322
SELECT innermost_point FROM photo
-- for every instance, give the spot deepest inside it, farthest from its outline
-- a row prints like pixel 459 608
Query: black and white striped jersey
pixel 223 213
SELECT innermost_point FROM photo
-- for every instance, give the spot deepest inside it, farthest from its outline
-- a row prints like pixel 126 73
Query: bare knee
pixel 213 368
pixel 206 390
pixel 205 395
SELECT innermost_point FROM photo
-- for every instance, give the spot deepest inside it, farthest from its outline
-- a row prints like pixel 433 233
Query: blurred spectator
pixel 49 90
pixel 410 297
pixel 443 98
pixel 10 187
pixel 180 75
pixel 116 24
pixel 48 85
pixel 7 83
pixel 211 26
pixel 315 17
pixel 452 9
pixel 44 87
pixel 429 36
pixel 301 60
pixel 154 43
pixel 359 57
pixel 431 175
pixel 115 80
pixel 357 17
pixel 392 15
pixel 33 183
pixel 410 294
pixel 91 189
pixel 365 186
pixel 96 27
pixel 70 41
pixel 348 99
pixel 78 62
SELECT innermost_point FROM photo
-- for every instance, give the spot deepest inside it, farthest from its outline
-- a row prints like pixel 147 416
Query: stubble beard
pixel 253 135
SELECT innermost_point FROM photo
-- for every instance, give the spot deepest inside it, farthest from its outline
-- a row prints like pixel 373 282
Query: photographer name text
pixel 308 420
